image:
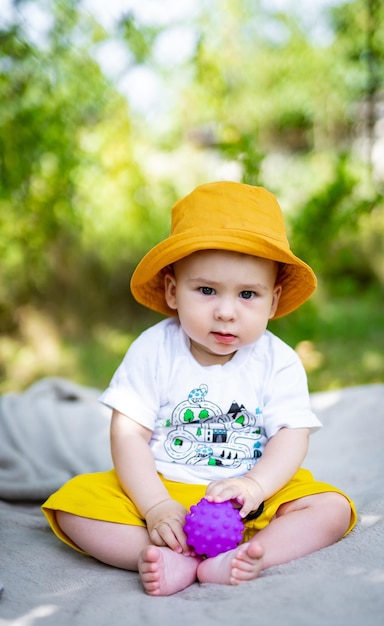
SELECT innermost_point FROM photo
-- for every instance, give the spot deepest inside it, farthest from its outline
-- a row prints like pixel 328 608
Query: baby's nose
pixel 226 309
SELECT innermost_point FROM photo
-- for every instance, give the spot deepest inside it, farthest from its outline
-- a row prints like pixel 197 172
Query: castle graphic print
pixel 199 432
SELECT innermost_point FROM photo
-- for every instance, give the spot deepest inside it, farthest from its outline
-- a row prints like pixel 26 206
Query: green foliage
pixel 65 155
pixel 325 231
pixel 139 39
pixel 360 39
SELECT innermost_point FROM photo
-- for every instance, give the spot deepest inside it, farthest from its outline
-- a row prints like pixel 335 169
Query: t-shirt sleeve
pixel 134 387
pixel 287 401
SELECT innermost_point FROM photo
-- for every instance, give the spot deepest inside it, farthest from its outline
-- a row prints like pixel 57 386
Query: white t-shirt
pixel 209 422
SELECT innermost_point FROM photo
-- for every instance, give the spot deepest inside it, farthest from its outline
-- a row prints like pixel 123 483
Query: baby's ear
pixel 277 290
pixel 170 288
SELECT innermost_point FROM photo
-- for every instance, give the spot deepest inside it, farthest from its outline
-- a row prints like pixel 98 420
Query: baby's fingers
pixel 221 491
pixel 156 538
pixel 166 534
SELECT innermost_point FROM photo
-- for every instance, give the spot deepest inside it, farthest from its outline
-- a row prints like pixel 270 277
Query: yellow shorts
pixel 99 496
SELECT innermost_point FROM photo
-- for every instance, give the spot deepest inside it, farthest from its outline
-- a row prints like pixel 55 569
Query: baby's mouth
pixel 226 338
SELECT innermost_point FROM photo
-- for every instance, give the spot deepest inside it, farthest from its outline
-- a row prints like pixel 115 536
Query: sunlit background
pixel 110 111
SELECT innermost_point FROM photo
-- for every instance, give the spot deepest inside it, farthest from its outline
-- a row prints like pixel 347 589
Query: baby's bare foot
pixel 164 572
pixel 233 567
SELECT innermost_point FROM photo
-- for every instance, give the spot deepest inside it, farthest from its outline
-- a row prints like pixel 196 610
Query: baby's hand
pixel 245 491
pixel 165 522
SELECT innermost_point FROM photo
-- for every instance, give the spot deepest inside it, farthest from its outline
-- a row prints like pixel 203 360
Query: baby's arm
pixel 282 457
pixel 135 467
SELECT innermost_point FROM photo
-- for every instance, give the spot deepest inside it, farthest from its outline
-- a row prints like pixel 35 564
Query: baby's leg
pixel 164 572
pixel 118 545
pixel 303 526
pixel 299 528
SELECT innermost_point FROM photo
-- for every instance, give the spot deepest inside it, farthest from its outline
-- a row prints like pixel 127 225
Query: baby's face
pixel 224 301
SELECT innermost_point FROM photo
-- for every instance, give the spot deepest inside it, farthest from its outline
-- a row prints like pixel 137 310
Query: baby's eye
pixel 247 295
pixel 207 291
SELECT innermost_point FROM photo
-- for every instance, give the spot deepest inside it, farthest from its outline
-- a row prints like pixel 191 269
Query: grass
pixel 342 344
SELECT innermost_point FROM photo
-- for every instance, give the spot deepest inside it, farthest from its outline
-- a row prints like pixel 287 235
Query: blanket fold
pixel 49 433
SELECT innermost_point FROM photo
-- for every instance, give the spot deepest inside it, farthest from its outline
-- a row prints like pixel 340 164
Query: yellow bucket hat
pixel 225 216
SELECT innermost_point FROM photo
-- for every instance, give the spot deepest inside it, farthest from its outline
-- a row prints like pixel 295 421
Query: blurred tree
pixel 346 213
pixel 260 80
pixel 359 27
pixel 63 128
pixel 326 232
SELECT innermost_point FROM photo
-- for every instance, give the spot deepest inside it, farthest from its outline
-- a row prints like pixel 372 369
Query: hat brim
pixel 147 283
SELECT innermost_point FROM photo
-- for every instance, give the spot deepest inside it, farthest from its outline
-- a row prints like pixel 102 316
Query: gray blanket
pixel 57 429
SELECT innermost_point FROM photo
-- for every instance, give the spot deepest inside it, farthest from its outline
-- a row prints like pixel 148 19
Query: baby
pixel 209 403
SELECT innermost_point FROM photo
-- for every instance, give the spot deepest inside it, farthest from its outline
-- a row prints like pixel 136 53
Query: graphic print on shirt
pixel 201 433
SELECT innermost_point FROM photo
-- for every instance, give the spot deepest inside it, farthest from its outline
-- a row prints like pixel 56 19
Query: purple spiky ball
pixel 213 527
